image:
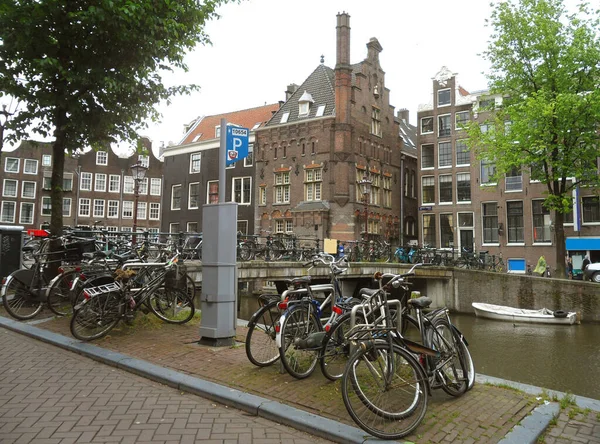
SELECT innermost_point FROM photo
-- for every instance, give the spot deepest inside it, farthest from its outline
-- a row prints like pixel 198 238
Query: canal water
pixel 565 358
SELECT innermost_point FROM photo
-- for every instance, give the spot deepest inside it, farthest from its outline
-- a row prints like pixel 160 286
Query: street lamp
pixel 139 172
pixel 365 185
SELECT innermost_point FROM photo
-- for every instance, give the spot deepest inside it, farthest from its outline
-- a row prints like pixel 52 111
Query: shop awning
pixel 583 243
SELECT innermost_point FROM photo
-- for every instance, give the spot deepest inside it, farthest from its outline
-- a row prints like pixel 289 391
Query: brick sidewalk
pixel 485 414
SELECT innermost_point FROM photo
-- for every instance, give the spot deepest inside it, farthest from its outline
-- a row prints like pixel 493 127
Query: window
pixel 154 211
pixel 84 207
pixel 427 156
pixel 176 197
pixel 114 184
pixel 30 166
pixel 213 192
pixel 489 213
pixel 446 231
pixel 279 227
pixel 376 121
pixel 262 195
pixel 46 206
pixel 141 210
pixel 194 196
pixel 444 125
pixel 98 207
pixel 28 190
pixel 463 156
pixel 100 184
pixel 11 165
pixel 67 181
pixel 375 189
pixel 192 227
pixel 285 117
pixel 313 180
pixel 387 191
pixel 541 221
pixel 426 125
pixel 289 226
pixel 429 229
pixel 445 188
pixel 591 209
pixel 242 190
pixel 46 160
pixel 462 118
pixel 8 212
pixel 463 187
pixel 155 186
pixel 249 161
pixel 127 209
pixel 126 229
pixel 144 160
pixel 86 182
pixel 428 189
pixel 487 104
pixel 128 184
pixel 488 171
pixel 443 96
pixel 303 109
pixel 101 158
pixel 10 188
pixel 242 226
pixel 195 162
pixel 174 227
pixel 514 180
pixel 26 213
pixel 514 214
pixel 143 191
pixel 445 154
pixel 282 187
pixel 66 207
pixel 320 111
pixel 113 209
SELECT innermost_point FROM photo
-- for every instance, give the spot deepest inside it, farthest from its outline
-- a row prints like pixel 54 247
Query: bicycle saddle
pixel 124 257
pixel 422 302
pixel 304 280
pixel 97 254
pixel 367 292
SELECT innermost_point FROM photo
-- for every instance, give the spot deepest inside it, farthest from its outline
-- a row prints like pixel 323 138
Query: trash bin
pixel 11 244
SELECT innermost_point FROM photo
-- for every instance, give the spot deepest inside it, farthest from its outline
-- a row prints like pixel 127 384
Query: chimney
pixel 291 89
pixel 403 114
pixel 343 40
pixel 281 102
pixel 343 71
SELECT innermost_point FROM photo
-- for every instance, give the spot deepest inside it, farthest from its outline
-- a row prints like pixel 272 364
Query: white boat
pixel 541 316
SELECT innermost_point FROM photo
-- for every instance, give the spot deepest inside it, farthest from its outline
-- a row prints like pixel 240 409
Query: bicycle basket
pixel 175 277
pixel 73 252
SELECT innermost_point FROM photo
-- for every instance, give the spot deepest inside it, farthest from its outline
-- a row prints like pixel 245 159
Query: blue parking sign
pixel 237 144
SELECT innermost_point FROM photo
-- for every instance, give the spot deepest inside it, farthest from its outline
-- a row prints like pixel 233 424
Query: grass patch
pixel 567 400
pixel 504 386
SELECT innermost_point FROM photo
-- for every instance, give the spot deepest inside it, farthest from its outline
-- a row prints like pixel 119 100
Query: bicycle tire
pixel 453 375
pixel 298 324
pixel 60 297
pixel 172 305
pixel 245 252
pixel 261 348
pixel 335 350
pixel 98 315
pixel 277 250
pixel 383 409
pixel 17 299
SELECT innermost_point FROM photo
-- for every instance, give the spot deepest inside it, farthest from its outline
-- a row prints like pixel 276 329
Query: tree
pixel 88 72
pixel 545 64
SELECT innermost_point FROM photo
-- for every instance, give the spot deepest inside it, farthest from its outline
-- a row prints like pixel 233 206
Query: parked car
pixel 592 271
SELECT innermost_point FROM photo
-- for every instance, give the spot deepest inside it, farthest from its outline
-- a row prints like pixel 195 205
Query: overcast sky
pixel 261 46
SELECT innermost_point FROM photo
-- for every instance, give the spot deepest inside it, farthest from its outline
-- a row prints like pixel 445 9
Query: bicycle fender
pixel 278 334
pixel 24 275
pixel 460 335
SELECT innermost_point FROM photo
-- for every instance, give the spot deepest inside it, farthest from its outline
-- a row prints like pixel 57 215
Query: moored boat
pixel 541 316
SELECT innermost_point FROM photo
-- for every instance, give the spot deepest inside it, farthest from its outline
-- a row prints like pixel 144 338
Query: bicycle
pixel 103 306
pixel 251 249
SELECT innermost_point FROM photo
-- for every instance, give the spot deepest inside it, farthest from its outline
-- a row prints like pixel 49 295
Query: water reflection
pixel 559 357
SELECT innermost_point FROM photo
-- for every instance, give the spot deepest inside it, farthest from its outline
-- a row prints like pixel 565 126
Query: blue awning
pixel 583 243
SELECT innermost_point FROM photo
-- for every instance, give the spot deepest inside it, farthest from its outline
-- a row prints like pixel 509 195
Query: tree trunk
pixel 560 246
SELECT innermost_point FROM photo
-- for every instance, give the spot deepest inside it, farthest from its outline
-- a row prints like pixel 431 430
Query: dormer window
pixel 304 104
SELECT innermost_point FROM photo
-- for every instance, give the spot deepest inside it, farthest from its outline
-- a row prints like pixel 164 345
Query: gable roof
pixel 320 86
pixel 204 127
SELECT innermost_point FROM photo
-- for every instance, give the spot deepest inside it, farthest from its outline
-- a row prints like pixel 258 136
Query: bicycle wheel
pixel 385 390
pixel 18 299
pixel 172 305
pixel 59 294
pixel 261 347
pixel 452 375
pixel 335 349
pixel 277 250
pixel 245 252
pixel 470 365
pixel 93 318
pixel 296 327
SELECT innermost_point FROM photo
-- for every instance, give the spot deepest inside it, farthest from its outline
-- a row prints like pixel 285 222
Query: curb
pixel 533 425
pixel 252 404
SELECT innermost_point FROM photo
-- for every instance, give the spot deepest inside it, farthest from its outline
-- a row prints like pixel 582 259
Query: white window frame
pixel 103 181
pixel 173 188
pixel 242 180
pixel 65 200
pixel 42 209
pixel 127 206
pixel 142 210
pixel 97 213
pixel 23 189
pixel 432 124
pixel 172 225
pixel 115 208
pixel 102 158
pixel 6 170
pixel 192 160
pixel 6 202
pixel 46 160
pixel 89 207
pixel 30 162
pixel 208 184
pixel 449 98
pixel 85 177
pixel 423 194
pixel 190 207
pixel 116 189
pixel 154 207
pixel 144 159
pixel 155 184
pixel 21 221
pixel 4 194
pixel 128 185
pixel 249 161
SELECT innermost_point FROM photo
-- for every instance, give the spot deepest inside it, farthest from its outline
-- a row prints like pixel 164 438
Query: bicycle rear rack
pixel 102 289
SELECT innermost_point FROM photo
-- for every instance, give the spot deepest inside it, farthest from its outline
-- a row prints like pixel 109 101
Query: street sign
pixel 424 208
pixel 237 144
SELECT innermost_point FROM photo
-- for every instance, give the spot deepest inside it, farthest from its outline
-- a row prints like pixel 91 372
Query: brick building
pixel 97 186
pixel 192 172
pixel 460 206
pixel 334 129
